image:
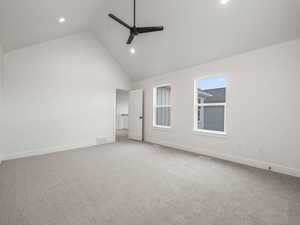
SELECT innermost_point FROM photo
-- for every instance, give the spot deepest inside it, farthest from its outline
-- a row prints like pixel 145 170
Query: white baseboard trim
pixel 44 151
pixel 245 161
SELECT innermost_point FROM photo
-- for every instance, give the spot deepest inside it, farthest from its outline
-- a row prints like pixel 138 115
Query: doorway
pixel 122 105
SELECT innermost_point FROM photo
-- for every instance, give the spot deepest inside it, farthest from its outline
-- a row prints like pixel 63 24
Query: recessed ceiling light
pixel 132 50
pixel 224 2
pixel 62 19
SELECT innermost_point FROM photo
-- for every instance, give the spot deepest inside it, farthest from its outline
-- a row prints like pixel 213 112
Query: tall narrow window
pixel 162 106
pixel 210 103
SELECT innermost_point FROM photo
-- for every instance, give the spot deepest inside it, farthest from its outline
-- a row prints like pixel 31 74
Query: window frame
pixel 155 106
pixel 196 105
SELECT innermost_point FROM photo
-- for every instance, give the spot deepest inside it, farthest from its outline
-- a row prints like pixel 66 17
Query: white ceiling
pixel 196 31
pixel 25 22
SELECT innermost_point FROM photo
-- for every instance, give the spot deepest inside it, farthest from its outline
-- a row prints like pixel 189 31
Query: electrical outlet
pixel 270 168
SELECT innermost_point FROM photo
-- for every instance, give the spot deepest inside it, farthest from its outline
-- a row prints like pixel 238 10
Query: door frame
pixel 115 112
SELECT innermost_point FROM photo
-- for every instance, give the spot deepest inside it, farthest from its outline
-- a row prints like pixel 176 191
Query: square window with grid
pixel 210 104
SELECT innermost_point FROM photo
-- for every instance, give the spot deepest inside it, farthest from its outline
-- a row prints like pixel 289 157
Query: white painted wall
pixel 122 108
pixel 1 105
pixel 60 95
pixel 263 109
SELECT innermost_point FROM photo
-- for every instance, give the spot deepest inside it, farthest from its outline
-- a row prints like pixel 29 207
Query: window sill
pixel 210 133
pixel 162 128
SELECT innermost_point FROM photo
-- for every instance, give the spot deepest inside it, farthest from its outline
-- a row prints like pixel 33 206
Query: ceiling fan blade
pixel 130 39
pixel 119 20
pixel 149 29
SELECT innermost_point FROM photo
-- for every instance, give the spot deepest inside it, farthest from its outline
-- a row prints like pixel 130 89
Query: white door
pixel 135 115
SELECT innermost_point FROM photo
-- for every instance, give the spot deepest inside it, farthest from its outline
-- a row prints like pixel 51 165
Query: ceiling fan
pixel 134 31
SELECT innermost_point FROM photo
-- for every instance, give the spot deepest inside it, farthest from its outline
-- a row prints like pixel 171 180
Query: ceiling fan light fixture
pixel 132 50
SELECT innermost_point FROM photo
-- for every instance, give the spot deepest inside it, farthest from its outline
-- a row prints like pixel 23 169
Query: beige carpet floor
pixel 129 183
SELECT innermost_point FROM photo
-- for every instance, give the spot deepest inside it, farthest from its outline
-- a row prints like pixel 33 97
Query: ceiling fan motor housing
pixel 134 31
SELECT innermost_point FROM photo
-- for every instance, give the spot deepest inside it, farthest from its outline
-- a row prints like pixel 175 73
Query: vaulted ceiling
pixel 196 31
pixel 26 22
